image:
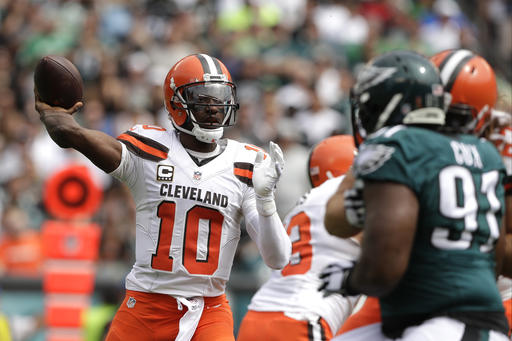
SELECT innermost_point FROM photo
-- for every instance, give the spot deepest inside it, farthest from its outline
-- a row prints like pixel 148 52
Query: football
pixel 58 81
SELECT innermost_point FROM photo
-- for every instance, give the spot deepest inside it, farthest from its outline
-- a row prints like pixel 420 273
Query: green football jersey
pixel 458 183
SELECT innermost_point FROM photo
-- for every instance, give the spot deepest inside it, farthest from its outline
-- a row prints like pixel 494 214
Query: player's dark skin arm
pixel 334 219
pixel 390 225
pixel 103 150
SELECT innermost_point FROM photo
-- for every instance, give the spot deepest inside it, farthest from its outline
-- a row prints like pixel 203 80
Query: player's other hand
pixel 333 277
pixel 267 171
pixel 266 174
pixel 44 109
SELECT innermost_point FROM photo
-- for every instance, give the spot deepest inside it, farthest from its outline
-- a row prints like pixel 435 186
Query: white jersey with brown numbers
pixel 188 216
pixel 294 289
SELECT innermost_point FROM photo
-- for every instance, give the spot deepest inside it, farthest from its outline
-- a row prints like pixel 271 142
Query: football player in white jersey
pixel 289 306
pixel 191 189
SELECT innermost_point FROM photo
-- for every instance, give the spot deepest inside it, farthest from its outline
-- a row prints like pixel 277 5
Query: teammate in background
pixel 472 84
pixel 432 209
pixel 289 306
pixel 192 189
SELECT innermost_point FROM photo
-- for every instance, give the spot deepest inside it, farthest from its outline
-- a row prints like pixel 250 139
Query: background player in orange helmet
pixel 330 158
pixel 472 84
pixel 289 307
pixel 191 189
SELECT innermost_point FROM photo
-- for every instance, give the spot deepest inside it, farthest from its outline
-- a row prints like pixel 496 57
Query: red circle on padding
pixel 72 193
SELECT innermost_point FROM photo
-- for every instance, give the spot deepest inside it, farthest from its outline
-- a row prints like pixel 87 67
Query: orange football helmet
pixel 200 97
pixel 330 158
pixel 472 84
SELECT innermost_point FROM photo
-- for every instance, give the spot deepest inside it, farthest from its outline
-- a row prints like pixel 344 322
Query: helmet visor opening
pixel 211 104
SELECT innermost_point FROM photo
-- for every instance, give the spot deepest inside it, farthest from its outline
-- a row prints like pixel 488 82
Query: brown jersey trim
pixel 243 172
pixel 150 142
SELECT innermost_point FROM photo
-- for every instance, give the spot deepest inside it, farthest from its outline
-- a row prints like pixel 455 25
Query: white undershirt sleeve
pixel 269 235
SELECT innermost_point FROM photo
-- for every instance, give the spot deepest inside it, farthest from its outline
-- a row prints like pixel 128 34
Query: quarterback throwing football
pixel 191 189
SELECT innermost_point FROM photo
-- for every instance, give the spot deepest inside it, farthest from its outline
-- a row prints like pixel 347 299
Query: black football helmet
pixel 399 87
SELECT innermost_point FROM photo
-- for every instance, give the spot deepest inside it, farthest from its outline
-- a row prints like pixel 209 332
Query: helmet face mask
pixel 400 87
pixel 359 133
pixel 200 97
pixel 210 105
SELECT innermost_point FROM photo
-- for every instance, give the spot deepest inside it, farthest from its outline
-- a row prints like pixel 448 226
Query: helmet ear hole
pixel 177 104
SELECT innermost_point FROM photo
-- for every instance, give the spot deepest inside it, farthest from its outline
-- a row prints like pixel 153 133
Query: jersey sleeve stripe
pixel 148 141
pixel 141 149
pixel 243 172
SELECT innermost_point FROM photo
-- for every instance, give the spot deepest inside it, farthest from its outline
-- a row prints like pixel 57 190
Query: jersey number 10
pixel 195 264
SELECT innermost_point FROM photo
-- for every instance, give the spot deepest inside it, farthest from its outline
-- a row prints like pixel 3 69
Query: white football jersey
pixel 187 216
pixel 294 289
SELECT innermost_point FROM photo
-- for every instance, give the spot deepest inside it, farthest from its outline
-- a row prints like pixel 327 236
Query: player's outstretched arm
pixel 102 149
pixel 335 220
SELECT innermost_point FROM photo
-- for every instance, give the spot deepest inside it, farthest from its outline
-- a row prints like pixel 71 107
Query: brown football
pixel 58 81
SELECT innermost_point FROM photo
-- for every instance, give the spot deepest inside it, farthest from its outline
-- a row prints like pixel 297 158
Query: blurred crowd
pixel 293 61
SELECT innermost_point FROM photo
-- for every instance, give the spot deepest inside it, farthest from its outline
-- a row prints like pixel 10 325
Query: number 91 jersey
pixel 187 216
pixel 458 182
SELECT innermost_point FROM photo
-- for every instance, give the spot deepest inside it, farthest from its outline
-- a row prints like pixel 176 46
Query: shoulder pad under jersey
pixel 146 141
pixel 244 162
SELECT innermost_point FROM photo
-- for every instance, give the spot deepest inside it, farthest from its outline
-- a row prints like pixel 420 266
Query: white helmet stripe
pixel 452 63
pixel 213 68
pixel 384 116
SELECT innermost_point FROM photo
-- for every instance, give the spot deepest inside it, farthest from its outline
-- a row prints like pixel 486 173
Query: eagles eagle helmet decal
pixel 399 87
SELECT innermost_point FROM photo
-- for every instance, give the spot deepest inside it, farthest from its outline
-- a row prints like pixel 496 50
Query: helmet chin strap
pixel 202 135
pixel 207 135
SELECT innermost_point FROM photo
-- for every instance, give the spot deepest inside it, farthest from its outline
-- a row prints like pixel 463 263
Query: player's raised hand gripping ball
pixel 58 82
